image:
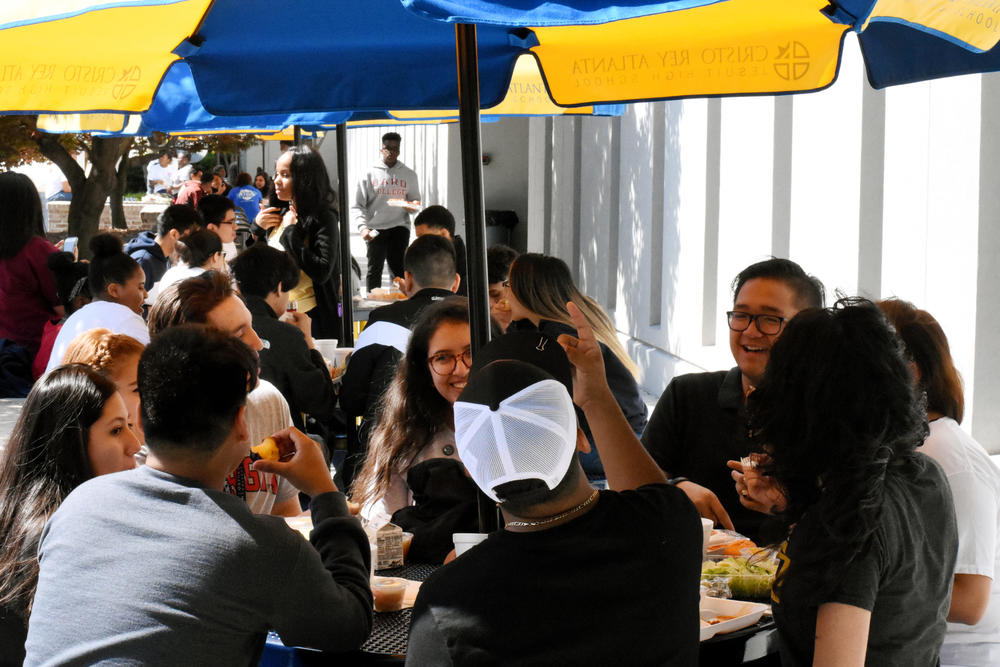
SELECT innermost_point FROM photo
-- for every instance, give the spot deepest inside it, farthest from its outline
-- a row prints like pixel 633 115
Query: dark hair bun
pixel 60 262
pixel 106 245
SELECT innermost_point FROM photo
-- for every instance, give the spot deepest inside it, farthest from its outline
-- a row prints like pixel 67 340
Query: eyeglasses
pixel 444 363
pixel 768 325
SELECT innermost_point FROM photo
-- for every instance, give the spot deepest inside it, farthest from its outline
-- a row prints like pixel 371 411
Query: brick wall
pixel 138 216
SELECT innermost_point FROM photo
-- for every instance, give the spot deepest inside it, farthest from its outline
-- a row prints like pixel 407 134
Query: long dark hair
pixel 311 190
pixel 928 347
pixel 45 459
pixel 837 412
pixel 412 411
pixel 20 213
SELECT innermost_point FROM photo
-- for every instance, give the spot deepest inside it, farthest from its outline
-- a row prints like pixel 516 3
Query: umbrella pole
pixel 346 288
pixel 475 214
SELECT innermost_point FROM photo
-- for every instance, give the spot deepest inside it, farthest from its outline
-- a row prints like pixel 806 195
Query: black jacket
pixel 314 243
pixel 300 374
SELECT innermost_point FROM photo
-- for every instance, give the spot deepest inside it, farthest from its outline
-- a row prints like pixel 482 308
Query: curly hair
pixel 102 350
pixel 45 459
pixel 412 411
pixel 837 412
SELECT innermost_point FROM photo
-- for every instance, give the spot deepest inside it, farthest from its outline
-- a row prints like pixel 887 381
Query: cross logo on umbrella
pixel 796 56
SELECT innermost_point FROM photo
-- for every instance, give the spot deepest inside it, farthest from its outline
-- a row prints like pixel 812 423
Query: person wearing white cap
pixel 577 576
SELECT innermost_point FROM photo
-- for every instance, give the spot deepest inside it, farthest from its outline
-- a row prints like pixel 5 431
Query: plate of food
pixel 413 206
pixel 719 616
pixel 746 577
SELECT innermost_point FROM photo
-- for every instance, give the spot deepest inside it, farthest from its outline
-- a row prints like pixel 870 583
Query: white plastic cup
pixel 465 541
pixel 327 347
pixel 706 535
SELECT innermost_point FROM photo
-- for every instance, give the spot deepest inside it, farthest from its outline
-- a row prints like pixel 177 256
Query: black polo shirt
pixel 698 424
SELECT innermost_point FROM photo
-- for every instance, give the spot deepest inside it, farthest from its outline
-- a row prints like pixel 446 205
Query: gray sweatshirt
pixel 143 567
pixel 380 184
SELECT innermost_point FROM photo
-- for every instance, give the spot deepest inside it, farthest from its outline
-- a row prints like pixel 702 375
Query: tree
pixel 21 142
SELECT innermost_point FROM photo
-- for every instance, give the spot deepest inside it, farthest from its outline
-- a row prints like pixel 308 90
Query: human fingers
pixel 721 516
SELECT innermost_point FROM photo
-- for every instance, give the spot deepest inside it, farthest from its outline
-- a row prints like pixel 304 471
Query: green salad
pixel 749 577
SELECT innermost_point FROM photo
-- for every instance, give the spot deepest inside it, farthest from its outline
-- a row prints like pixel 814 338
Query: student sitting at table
pixel 578 576
pixel 116 356
pixel 209 299
pixel 539 287
pixel 412 474
pixel 116 285
pixel 973 637
pixel 71 428
pixel 866 569
pixel 172 570
pixel 291 361
pixel 429 277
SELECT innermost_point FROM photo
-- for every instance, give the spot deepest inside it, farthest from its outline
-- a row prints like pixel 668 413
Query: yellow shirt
pixel 304 295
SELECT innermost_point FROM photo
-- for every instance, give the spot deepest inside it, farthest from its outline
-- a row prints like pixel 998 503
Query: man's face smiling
pixel 751 349
pixel 390 153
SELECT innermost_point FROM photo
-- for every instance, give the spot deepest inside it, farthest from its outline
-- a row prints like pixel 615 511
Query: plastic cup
pixel 407 539
pixel 706 534
pixel 388 593
pixel 327 347
pixel 465 541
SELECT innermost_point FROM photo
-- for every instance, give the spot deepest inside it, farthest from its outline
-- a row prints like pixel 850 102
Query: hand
pixel 757 491
pixel 590 382
pixel 268 218
pixel 366 234
pixel 306 470
pixel 707 504
pixel 302 322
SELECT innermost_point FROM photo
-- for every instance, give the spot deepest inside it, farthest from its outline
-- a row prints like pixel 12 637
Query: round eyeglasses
pixel 768 325
pixel 445 363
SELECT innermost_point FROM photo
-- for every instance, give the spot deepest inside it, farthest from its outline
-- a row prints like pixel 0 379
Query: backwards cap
pixel 514 421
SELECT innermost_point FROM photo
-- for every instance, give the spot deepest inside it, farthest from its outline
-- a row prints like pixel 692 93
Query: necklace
pixel 561 515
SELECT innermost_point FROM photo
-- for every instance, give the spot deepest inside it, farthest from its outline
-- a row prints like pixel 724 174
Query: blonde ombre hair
pixel 102 350
pixel 543 284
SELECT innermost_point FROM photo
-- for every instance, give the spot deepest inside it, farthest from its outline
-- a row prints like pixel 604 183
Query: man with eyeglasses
pixel 699 422
pixel 383 202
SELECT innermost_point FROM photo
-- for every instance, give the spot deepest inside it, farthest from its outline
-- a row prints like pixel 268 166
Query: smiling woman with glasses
pixel 411 454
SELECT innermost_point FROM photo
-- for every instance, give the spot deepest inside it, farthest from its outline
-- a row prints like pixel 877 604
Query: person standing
pixel 307 230
pixel 384 200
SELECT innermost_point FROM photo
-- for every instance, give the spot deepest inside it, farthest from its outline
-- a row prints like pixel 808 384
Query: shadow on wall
pixel 650 241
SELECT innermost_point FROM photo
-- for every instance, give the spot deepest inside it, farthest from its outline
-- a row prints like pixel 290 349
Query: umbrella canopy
pixel 592 52
pixel 64 56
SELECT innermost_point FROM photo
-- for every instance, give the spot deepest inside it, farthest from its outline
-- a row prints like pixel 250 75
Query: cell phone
pixel 69 244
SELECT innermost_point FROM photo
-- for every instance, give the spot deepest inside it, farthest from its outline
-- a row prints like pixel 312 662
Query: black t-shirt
pixel 903 578
pixel 698 424
pixel 618 585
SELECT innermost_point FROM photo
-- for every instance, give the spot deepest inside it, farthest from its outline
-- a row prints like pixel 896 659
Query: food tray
pixel 744 615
